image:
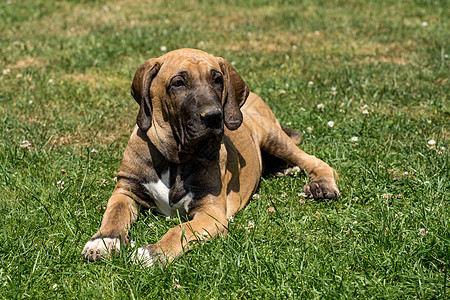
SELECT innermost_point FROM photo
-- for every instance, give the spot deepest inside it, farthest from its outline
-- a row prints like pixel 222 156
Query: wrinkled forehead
pixel 193 62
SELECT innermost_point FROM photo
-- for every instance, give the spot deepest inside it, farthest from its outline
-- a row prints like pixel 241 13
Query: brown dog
pixel 196 151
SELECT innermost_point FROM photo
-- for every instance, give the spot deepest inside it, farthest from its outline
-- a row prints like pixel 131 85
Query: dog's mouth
pixel 208 150
pixel 205 150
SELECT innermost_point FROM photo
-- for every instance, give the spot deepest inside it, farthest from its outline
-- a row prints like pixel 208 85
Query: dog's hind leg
pixel 274 165
pixel 323 185
pixel 295 136
pixel 276 142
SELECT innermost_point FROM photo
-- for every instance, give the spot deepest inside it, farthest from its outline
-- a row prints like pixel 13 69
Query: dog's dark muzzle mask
pixel 201 130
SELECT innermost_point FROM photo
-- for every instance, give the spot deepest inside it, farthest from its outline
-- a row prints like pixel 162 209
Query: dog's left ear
pixel 140 90
pixel 235 93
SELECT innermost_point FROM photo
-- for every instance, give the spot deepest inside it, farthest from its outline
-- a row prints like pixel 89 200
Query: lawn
pixel 366 82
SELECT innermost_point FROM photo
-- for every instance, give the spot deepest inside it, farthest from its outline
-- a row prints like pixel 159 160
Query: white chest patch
pixel 159 191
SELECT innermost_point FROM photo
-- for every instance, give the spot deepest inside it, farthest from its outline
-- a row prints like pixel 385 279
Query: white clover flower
pixel 294 47
pixel 288 123
pixel 333 88
pixel 431 142
pixel 163 48
pixel 365 112
pixel 330 124
pixel 424 24
pixel 250 226
pixel 309 129
pixel 6 71
pixel 422 232
pixel 25 144
pixel 302 195
pixel 51 80
pixel 317 32
pixel 354 139
pixel 320 106
pixel 94 150
pixel 255 196
pixel 60 185
pixel 310 82
pixel 296 169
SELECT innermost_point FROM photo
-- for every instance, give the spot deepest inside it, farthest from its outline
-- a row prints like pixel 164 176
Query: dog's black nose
pixel 212 118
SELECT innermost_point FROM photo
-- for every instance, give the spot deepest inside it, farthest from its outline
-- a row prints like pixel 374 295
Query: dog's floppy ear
pixel 235 93
pixel 140 90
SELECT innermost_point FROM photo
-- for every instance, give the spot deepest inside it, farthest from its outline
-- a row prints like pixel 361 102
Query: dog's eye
pixel 177 83
pixel 218 80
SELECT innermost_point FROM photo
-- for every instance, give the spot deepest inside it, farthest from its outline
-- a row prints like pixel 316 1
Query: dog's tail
pixel 294 135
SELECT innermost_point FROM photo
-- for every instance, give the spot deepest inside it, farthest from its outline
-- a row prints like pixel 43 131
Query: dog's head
pixel 186 97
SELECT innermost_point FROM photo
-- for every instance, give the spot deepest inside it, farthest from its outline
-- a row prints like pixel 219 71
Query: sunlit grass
pixel 376 71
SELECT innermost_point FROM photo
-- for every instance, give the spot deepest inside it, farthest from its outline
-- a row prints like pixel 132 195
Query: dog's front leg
pixel 121 211
pixel 205 224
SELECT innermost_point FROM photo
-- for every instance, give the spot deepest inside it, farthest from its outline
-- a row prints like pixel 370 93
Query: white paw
pixel 95 249
pixel 142 257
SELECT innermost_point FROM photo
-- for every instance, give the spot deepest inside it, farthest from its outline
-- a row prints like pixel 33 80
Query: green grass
pixel 67 69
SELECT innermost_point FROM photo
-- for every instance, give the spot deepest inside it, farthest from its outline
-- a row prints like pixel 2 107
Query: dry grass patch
pixel 29 62
pixel 76 20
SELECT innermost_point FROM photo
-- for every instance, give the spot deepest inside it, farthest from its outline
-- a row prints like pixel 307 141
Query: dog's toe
pixel 95 249
pixel 307 191
pixel 322 189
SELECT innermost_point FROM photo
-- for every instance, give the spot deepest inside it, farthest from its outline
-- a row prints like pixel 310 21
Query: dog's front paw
pixel 96 248
pixel 322 188
pixel 147 255
pixel 143 257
